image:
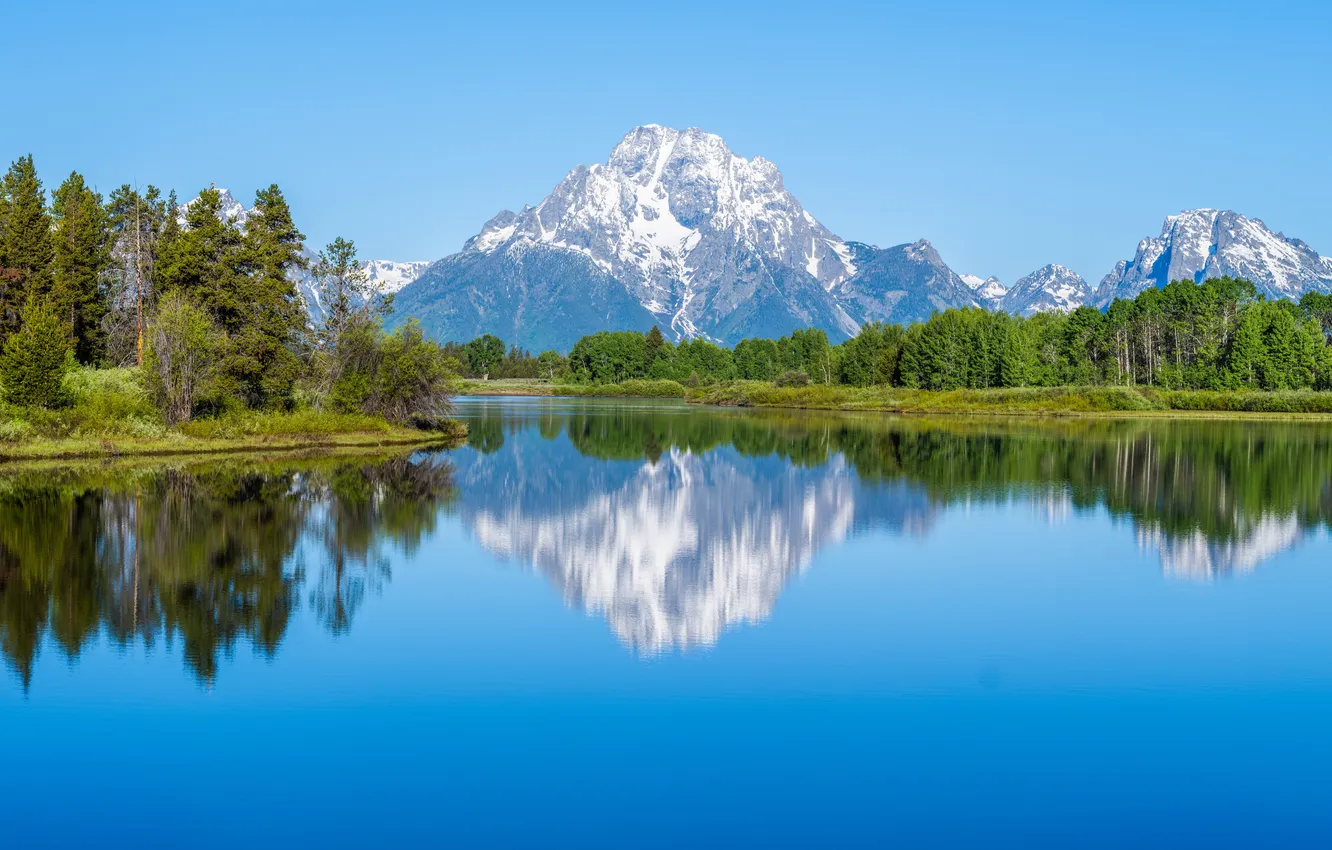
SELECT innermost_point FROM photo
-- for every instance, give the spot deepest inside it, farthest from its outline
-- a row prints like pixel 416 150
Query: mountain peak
pixel 1201 243
pixel 1051 287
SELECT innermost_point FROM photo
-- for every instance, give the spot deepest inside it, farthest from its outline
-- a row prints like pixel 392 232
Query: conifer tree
pixel 1279 338
pixel 25 242
pixel 82 252
pixel 344 289
pixel 36 358
pixel 655 343
pixel 1248 353
pixel 263 354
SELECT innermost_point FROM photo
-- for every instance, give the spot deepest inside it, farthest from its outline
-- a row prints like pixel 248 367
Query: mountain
pixel 1198 244
pixel 989 291
pixel 1051 287
pixel 904 283
pixel 388 276
pixel 674 229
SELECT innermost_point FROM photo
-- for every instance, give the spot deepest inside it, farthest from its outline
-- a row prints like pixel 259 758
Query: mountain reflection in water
pixel 672 522
pixel 675 523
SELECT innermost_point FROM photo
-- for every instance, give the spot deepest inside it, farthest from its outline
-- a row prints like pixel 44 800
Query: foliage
pixel 400 376
pixel 346 291
pixel 182 355
pixel 36 359
pixel 26 252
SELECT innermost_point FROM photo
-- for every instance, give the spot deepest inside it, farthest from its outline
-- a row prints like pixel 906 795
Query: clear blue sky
pixel 1010 135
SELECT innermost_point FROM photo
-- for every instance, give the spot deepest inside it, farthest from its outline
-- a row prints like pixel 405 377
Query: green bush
pixel 792 378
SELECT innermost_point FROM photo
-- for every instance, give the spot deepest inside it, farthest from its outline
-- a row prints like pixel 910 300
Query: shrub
pixel 792 378
pixel 400 376
pixel 183 348
pixel 37 359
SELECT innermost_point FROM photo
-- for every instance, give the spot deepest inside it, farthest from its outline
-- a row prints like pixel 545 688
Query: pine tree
pixel 273 248
pixel 655 341
pixel 82 251
pixel 1248 353
pixel 1279 337
pixel 344 288
pixel 25 242
pixel 37 358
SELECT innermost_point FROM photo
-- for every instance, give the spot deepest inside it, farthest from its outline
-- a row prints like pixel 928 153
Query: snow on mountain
pixel 1198 244
pixel 386 276
pixel 989 290
pixel 389 276
pixel 674 229
pixel 1051 287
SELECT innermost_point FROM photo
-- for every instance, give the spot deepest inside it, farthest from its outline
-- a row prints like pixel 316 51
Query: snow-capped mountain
pixel 990 291
pixel 1051 287
pixel 1198 244
pixel 674 229
pixel 387 276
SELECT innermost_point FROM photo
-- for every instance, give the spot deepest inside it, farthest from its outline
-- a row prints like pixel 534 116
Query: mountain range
pixel 678 231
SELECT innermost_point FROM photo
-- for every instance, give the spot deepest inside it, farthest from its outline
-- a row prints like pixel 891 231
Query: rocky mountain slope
pixel 678 231
pixel 1051 287
pixel 1203 243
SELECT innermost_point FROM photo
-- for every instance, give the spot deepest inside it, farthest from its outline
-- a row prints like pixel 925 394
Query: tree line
pixel 1217 335
pixel 205 304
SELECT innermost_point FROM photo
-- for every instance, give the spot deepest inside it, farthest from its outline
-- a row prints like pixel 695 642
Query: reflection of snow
pixel 1193 556
pixel 683 548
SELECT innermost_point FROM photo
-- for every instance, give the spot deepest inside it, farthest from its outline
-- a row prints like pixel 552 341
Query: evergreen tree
pixel 655 342
pixel 82 252
pixel 263 356
pixel 1248 352
pixel 37 358
pixel 345 289
pixel 25 243
pixel 1279 370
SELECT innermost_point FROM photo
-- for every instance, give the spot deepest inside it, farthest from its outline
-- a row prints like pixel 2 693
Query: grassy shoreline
pixel 1025 401
pixel 175 444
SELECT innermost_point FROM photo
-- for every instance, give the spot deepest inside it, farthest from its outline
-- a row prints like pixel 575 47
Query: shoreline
pixel 1053 402
pixel 179 445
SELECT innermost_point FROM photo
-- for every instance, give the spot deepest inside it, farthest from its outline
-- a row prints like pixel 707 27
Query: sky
pixel 1009 135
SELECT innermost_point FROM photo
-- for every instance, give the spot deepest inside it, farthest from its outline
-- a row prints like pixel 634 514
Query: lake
pixel 646 624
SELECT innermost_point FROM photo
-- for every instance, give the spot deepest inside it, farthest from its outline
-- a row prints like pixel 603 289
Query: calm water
pixel 631 624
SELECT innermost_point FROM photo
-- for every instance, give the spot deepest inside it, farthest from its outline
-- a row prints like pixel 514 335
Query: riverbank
pixel 1052 401
pixel 53 438
pixel 1028 401
pixel 522 387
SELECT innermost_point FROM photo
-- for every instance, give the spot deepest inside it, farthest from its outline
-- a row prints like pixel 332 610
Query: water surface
pixel 646 624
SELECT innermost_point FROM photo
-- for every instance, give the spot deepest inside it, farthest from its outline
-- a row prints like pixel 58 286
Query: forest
pixel 134 312
pixel 1215 335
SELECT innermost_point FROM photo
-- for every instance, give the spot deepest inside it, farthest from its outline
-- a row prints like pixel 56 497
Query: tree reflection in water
pixel 211 554
pixel 675 523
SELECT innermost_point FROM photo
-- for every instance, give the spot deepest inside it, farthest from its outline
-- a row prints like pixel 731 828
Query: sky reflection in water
pixel 776 627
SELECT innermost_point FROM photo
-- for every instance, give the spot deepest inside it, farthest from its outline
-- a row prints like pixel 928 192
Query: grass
pixel 111 416
pixel 635 388
pixel 1015 401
